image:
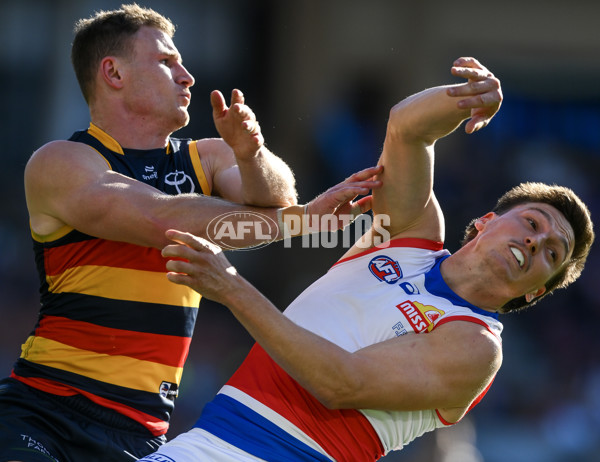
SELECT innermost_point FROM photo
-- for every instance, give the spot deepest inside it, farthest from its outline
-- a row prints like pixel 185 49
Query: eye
pixel 532 223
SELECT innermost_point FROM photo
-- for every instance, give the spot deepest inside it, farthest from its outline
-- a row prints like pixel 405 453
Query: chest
pixel 170 173
pixel 369 303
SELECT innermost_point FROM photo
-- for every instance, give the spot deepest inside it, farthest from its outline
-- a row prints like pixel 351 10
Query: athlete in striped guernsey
pixel 98 375
pixel 398 338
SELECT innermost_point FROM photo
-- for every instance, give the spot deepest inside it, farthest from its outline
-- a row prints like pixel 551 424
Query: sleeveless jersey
pixel 362 300
pixel 111 326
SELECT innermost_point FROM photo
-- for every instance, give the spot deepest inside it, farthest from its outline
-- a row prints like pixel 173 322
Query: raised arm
pixel 414 125
pixel 241 168
pixel 449 367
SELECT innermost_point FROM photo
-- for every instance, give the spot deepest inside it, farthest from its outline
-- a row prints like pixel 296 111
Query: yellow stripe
pixel 107 140
pixel 63 231
pixel 195 156
pixel 123 284
pixel 122 371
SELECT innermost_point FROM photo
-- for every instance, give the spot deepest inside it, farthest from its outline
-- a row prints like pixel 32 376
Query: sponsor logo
pixel 34 445
pixel 150 173
pixel 168 390
pixel 181 181
pixel 385 269
pixel 234 230
pixel 421 317
pixel 399 329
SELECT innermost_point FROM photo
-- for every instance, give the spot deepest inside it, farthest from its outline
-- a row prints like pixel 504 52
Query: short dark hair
pixel 572 208
pixel 109 33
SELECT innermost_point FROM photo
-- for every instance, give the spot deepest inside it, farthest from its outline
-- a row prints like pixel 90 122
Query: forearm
pixel 227 224
pixel 267 180
pixel 406 197
pixel 408 154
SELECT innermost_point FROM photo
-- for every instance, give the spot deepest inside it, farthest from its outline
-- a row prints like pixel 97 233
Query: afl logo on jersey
pixel 385 269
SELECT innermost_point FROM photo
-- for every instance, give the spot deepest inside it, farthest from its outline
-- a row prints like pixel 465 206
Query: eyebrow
pixel 550 218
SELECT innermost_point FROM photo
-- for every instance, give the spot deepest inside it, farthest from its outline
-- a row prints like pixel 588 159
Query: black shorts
pixel 39 427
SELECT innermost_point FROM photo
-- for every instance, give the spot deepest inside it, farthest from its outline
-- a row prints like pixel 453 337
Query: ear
pixel 482 221
pixel 531 295
pixel 111 72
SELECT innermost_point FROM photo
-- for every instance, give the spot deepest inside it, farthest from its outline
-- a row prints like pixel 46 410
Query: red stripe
pixel 345 434
pixel 414 242
pixel 156 426
pixel 101 252
pixel 467 319
pixel 169 350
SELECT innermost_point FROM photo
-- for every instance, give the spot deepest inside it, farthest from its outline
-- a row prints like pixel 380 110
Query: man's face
pixel 157 84
pixel 525 247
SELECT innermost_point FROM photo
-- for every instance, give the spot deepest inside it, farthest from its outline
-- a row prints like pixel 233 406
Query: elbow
pixel 337 396
pixel 403 129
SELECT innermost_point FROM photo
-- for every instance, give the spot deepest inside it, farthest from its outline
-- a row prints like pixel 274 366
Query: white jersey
pixel 374 296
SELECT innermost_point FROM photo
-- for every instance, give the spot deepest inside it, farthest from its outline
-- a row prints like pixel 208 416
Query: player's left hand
pixel 482 92
pixel 237 124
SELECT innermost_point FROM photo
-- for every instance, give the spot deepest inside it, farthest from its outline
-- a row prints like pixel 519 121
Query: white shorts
pixel 199 445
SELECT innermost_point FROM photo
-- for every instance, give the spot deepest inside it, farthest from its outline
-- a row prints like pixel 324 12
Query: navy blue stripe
pixel 435 284
pixel 246 429
pixel 150 403
pixel 127 315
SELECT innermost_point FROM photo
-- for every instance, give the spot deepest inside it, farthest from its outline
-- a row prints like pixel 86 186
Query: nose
pixel 534 243
pixel 184 77
pixel 531 245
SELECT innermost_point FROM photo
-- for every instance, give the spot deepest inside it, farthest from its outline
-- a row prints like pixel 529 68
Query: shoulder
pixel 213 147
pixel 471 343
pixel 59 153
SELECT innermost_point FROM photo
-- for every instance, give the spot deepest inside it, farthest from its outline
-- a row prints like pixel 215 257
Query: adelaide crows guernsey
pixel 362 300
pixel 111 326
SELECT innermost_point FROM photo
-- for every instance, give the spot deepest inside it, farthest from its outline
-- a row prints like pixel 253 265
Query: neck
pixel 131 131
pixel 469 283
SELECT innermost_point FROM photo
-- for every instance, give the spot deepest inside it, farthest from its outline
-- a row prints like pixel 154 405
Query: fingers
pixel 237 97
pixel 365 174
pixel 482 93
pixel 470 63
pixel 217 101
pixel 365 203
pixel 246 117
pixel 484 100
pixel 188 243
pixel 473 125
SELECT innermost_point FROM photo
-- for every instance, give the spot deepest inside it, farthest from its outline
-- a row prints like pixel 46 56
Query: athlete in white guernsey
pixel 398 338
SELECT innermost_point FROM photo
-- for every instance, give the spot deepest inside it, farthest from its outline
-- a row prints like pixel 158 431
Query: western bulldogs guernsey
pixel 371 297
pixel 111 326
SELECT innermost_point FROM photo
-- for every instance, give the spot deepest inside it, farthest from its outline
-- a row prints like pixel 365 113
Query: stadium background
pixel 321 77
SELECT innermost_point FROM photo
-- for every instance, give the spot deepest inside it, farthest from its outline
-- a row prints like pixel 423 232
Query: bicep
pixel 446 368
pixel 221 169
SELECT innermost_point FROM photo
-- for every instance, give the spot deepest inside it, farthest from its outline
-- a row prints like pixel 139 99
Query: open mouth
pixel 518 255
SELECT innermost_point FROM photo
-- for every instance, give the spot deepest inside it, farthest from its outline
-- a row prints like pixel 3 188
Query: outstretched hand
pixel 339 199
pixel 481 93
pixel 237 124
pixel 200 265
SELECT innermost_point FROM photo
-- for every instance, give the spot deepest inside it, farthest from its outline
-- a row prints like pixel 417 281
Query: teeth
pixel 518 255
